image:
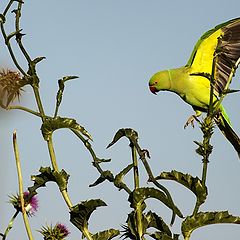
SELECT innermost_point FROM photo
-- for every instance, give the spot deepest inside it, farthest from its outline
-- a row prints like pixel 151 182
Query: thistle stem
pixel 9 227
pixel 55 168
pixel 20 186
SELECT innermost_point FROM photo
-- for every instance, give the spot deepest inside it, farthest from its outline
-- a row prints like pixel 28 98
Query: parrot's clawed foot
pixel 191 120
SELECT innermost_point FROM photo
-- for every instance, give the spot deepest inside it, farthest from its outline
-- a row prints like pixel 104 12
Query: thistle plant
pixel 141 223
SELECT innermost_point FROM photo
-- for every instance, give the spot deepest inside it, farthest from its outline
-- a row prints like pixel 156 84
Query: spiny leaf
pixel 192 183
pixel 206 218
pixel 131 230
pixel 161 236
pixel 106 235
pixel 106 175
pixel 48 175
pixel 124 132
pixel 52 124
pixel 80 213
pixel 139 195
pixel 157 222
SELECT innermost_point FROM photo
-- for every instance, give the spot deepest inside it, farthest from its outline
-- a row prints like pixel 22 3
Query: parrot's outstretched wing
pixel 223 41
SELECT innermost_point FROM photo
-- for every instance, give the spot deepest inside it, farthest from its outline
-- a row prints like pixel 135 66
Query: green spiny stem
pixel 55 167
pixel 136 185
pixel 135 166
pixel 19 38
pixel 20 184
pixel 154 181
pixel 9 227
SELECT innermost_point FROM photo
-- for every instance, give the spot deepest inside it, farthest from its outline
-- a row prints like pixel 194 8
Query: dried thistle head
pixel 11 84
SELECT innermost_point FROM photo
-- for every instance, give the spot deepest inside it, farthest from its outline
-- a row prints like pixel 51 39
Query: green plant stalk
pixel 136 185
pixel 87 234
pixel 20 186
pixel 135 166
pixel 55 167
pixel 8 42
pixel 154 181
pixel 9 227
pixel 24 109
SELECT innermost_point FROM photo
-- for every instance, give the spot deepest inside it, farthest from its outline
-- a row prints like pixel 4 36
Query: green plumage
pixel 216 53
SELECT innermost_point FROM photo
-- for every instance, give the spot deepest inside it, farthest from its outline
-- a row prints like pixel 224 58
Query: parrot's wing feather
pixel 223 41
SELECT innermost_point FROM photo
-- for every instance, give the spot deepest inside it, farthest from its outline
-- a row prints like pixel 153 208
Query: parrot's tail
pixel 228 131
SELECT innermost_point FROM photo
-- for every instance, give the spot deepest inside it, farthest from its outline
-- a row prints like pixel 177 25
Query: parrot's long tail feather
pixel 228 131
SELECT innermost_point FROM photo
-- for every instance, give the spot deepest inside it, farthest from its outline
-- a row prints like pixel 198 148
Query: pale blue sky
pixel 115 47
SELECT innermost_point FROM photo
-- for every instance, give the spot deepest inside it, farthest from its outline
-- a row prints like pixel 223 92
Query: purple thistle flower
pixel 31 204
pixel 59 232
pixel 62 229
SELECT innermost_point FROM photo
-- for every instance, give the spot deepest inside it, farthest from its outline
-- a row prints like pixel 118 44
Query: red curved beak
pixel 153 89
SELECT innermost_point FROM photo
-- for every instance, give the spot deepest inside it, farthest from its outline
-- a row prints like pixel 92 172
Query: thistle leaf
pixel 157 222
pixel 139 195
pixel 106 235
pixel 161 236
pixel 80 213
pixel 48 175
pixel 106 175
pixel 52 124
pixel 192 183
pixel 206 218
pixel 118 181
pixel 124 132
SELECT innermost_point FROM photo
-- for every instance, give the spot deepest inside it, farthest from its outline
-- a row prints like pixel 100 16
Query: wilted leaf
pixel 106 235
pixel 206 218
pixel 157 222
pixel 52 124
pixel 124 132
pixel 139 195
pixel 80 213
pixel 192 183
pixel 106 175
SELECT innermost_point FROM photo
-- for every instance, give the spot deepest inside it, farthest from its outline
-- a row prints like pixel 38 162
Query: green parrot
pixel 221 45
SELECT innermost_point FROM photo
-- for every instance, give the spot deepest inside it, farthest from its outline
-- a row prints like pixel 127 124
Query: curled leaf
pixel 206 218
pixel 124 132
pixel 52 124
pixel 192 183
pixel 48 175
pixel 139 195
pixel 80 213
pixel 157 222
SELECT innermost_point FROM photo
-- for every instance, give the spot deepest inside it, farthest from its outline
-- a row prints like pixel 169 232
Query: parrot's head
pixel 159 81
